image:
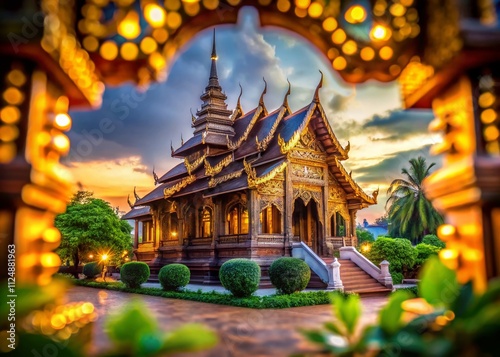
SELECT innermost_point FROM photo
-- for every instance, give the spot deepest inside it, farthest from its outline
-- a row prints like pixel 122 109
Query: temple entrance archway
pixel 306 224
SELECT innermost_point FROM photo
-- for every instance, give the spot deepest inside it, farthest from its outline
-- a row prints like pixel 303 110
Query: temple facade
pixel 249 185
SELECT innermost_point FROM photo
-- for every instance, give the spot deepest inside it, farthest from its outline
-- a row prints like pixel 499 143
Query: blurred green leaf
pixel 492 295
pixel 132 324
pixel 390 315
pixel 463 301
pixel 189 338
pixel 438 284
pixel 348 310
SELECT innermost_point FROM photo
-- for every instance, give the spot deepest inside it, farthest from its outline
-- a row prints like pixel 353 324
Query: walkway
pixel 242 331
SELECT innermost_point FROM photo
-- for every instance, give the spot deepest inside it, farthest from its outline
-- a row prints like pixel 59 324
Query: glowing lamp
pixel 129 26
pixel 355 14
pixel 380 33
pixel 62 121
pixel 446 231
pixel 155 15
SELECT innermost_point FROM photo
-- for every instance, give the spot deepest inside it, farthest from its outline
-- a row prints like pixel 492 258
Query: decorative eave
pixel 344 152
pixel 214 181
pixel 371 200
pixel 264 143
pixel 234 145
pixel 178 186
pixel 285 147
pixel 190 167
pixel 214 170
pixel 254 181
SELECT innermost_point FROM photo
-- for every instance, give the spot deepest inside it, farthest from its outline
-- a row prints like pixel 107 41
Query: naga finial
pixel 182 140
pixel 193 118
pixel 131 205
pixel 288 92
pixel 155 176
pixel 137 198
pixel 347 147
pixel 375 194
pixel 261 100
pixel 320 84
pixel 171 148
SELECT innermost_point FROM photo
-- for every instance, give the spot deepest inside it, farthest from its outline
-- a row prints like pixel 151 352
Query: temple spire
pixel 214 80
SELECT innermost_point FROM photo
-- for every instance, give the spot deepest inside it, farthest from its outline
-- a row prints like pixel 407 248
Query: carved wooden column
pixel 289 204
pixel 254 213
pixel 136 234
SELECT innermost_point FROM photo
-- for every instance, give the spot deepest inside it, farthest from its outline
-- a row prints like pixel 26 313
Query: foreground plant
pixel 447 320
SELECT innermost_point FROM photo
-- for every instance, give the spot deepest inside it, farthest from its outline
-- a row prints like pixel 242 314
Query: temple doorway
pixel 306 224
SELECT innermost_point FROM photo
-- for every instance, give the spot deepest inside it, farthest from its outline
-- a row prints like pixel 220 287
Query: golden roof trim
pixel 233 146
pixel 357 189
pixel 264 143
pixel 214 181
pixel 253 180
pixel 214 170
pixel 190 167
pixel 344 152
pixel 287 146
pixel 169 191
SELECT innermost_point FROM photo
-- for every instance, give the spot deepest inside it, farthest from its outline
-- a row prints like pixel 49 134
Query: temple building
pixel 249 185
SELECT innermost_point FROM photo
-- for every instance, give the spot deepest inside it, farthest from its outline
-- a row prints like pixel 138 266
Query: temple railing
pixel 197 241
pixel 169 243
pixel 271 239
pixel 233 239
pixel 339 242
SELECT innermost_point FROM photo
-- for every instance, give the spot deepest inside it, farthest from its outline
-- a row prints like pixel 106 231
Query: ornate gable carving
pixel 307 172
pixel 271 187
pixel 267 201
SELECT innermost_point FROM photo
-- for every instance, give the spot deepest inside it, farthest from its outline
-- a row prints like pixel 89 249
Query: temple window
pixel 270 220
pixel 337 225
pixel 145 231
pixel 238 219
pixel 174 225
pixel 206 222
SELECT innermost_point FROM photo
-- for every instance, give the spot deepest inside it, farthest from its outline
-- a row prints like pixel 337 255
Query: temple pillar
pixel 254 211
pixel 136 234
pixel 219 219
pixel 288 211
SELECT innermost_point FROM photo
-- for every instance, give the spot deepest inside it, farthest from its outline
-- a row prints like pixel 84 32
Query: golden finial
pixel 155 176
pixel 137 198
pixel 320 84
pixel 182 140
pixel 193 118
pixel 171 148
pixel 347 147
pixel 285 100
pixel 131 205
pixel 261 100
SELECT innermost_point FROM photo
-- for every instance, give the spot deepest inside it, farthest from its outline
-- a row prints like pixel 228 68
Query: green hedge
pixel 424 251
pixel 133 274
pixel 90 270
pixel 397 251
pixel 174 276
pixel 240 276
pixel 255 302
pixel 289 275
pixel 433 239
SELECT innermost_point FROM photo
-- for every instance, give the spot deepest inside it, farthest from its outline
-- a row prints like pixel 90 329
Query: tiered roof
pixel 255 153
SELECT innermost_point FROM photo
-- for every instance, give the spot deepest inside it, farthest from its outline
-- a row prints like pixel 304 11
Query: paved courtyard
pixel 242 331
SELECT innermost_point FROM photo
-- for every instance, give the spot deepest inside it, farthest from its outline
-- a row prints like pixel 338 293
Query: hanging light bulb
pixel 129 26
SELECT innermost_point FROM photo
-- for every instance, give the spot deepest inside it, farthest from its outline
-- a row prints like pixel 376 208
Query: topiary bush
pixel 434 240
pixel 289 275
pixel 174 276
pixel 133 274
pixel 397 251
pixel 240 276
pixel 424 251
pixel 90 270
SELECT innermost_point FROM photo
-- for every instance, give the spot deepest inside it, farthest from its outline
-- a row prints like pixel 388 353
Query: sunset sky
pixel 115 147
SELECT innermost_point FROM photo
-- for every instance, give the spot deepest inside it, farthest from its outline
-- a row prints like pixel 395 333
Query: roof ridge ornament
pixel 131 205
pixel 172 148
pixel 238 111
pixel 155 176
pixel 182 140
pixel 316 92
pixel 193 118
pixel 261 100
pixel 288 92
pixel 137 198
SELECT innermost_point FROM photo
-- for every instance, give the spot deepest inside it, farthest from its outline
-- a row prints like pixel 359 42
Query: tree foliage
pixel 90 226
pixel 411 214
pixel 382 221
pixel 364 236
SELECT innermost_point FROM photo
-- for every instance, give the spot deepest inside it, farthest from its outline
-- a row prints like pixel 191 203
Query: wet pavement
pixel 242 331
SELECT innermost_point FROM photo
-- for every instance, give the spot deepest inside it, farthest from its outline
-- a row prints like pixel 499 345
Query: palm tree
pixel 410 212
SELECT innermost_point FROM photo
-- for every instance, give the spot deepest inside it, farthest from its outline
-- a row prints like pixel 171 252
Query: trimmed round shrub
pixel 240 276
pixel 397 251
pixel 289 274
pixel 174 276
pixel 424 251
pixel 434 240
pixel 133 274
pixel 90 270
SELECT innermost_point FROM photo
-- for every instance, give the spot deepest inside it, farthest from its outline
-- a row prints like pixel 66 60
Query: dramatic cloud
pixel 398 124
pixel 389 168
